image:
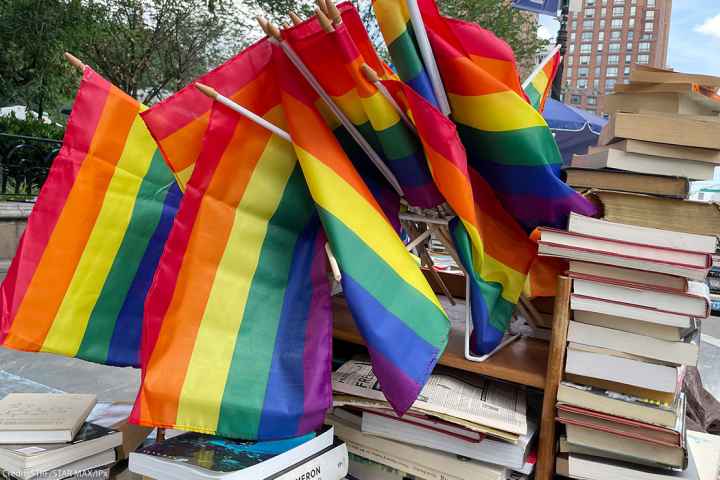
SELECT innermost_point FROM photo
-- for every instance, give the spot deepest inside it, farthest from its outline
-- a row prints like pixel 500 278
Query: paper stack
pixel 663 133
pixel 460 427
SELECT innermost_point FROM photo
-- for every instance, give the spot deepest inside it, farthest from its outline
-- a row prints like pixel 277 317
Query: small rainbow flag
pixel 494 249
pixel 540 85
pixel 393 17
pixel 78 282
pixel 395 309
pixel 238 323
pixel 507 140
pixel 335 59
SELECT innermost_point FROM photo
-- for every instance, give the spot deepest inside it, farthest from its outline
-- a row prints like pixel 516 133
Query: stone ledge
pixel 15 210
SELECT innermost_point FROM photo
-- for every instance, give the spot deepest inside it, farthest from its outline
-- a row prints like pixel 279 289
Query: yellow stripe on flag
pixel 68 328
pixel 495 112
pixel 352 107
pixel 336 196
pixel 212 355
pixel 393 15
pixel 382 115
pixel 540 82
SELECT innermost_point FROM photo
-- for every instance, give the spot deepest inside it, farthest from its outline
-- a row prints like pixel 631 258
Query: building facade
pixel 605 38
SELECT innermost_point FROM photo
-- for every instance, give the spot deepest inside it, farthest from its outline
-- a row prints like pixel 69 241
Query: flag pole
pixel 428 57
pixel 253 117
pixel 74 61
pixel 274 34
pixel 372 77
pixel 540 66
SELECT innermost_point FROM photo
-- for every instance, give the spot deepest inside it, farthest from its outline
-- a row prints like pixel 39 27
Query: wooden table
pixel 526 361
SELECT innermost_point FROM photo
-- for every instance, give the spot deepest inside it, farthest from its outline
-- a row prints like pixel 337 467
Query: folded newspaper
pixel 497 405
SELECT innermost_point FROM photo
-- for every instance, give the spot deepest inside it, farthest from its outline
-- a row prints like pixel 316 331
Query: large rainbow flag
pixel 538 90
pixel 335 59
pixel 507 140
pixel 495 251
pixel 395 309
pixel 78 281
pixel 238 323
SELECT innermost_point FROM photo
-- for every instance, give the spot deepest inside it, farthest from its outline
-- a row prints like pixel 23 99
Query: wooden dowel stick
pixel 334 267
pixel 322 6
pixel 372 77
pixel 333 12
pixel 274 33
pixel 212 93
pixel 325 22
pixel 428 57
pixel 74 61
pixel 296 20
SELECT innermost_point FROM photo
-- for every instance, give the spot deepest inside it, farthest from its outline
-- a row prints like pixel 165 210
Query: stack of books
pixel 45 436
pixel 461 427
pixel 194 456
pixel 663 133
pixel 637 301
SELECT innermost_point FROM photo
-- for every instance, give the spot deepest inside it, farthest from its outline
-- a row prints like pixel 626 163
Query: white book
pixel 643 235
pixel 486 450
pixel 694 303
pixel 630 275
pixel 633 312
pixel 624 324
pixel 621 370
pixel 329 464
pixel 649 164
pixel 43 417
pixel 595 468
pixel 677 353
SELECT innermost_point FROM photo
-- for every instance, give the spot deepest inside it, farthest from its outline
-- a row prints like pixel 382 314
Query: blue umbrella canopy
pixel 575 130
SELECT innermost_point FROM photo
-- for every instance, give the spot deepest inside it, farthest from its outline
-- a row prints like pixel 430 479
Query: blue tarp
pixel 575 130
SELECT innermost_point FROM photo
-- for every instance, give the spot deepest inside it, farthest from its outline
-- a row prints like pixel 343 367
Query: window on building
pixel 650 3
pixel 614 47
pixel 589 12
pixel 603 12
pixel 618 11
pixel 647 36
pixel 571 50
pixel 617 23
pixel 586 36
pixel 633 11
pixel 573 36
pixel 650 14
pixel 597 71
pixel 611 72
pixel 631 23
pixel 613 59
pixel 589 3
pixel 592 100
pixel 582 83
pixel 643 59
pixel 575 99
pixel 631 35
pixel 584 59
pixel 596 84
pixel 570 61
pixel 600 47
pixel 604 2
pixel 569 71
pixel 615 35
pixel 598 59
pixel 588 24
pixel 609 85
pixel 649 26
pixel 583 72
pixel 629 46
pixel 601 36
pixel 644 46
pixel 585 48
pixel 626 71
pixel 602 24
pixel 628 58
pixel 574 24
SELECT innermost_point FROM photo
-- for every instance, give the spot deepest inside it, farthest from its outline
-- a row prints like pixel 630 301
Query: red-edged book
pixel 640 256
pixel 695 302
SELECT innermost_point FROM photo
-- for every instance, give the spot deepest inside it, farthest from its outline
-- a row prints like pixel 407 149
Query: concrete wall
pixel 13 218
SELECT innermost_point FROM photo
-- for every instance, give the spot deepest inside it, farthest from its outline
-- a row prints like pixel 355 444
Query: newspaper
pixel 495 404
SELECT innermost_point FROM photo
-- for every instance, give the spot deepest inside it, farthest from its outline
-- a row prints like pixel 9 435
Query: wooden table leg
pixel 545 467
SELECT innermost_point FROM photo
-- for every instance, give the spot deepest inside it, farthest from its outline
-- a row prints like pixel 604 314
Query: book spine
pixel 332 465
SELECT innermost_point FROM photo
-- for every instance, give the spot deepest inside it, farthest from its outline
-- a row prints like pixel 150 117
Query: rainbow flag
pixel 238 323
pixel 538 90
pixel 78 281
pixel 507 140
pixel 335 58
pixel 397 30
pixel 495 251
pixel 179 122
pixel 395 309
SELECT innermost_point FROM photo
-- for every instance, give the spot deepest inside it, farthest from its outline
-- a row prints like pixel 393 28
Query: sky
pixel 694 36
